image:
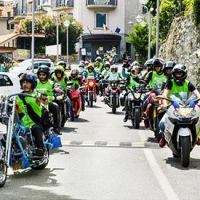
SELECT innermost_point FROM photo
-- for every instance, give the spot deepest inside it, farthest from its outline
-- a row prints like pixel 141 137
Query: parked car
pixel 65 65
pixel 9 83
pixel 26 66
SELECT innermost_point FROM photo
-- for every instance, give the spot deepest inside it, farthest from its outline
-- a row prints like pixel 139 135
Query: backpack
pixel 44 120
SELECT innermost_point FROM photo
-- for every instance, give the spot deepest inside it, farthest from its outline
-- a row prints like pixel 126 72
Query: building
pixel 105 22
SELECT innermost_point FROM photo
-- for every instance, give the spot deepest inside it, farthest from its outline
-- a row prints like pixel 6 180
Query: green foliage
pixel 168 10
pixel 139 39
pixel 47 25
pixel 196 8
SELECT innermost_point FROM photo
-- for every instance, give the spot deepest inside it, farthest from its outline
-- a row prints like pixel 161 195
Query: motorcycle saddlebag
pixel 55 141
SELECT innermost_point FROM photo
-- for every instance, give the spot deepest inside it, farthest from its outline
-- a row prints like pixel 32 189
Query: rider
pixel 167 70
pixel 103 74
pixel 77 79
pixel 151 78
pixel 112 75
pixel 45 87
pixel 99 64
pixel 174 86
pixel 131 80
pixel 60 78
pixel 91 72
pixel 28 83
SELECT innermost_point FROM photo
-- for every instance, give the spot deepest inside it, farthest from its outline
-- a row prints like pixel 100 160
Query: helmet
pixel 107 64
pixel 81 65
pixel 91 67
pixel 60 69
pixel 74 73
pixel 44 69
pixel 31 78
pixel 134 67
pixel 135 63
pixel 99 59
pixel 114 68
pixel 86 62
pixel 179 68
pixel 158 62
pixel 168 65
pixel 149 64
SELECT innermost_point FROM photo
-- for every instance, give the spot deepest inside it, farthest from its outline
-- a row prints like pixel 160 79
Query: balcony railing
pixel 101 3
pixel 20 12
pixel 46 3
pixel 60 5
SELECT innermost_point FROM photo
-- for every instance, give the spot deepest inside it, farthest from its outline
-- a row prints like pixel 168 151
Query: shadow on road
pixel 176 162
pixel 33 184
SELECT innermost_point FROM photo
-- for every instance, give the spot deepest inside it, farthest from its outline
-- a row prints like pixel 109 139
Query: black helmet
pixel 179 68
pixel 168 65
pixel 43 69
pixel 158 62
pixel 30 78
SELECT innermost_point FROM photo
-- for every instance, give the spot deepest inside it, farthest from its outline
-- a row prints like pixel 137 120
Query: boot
pixel 126 118
pixel 146 123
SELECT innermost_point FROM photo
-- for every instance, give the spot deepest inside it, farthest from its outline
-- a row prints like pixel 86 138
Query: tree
pixel 138 37
pixel 47 25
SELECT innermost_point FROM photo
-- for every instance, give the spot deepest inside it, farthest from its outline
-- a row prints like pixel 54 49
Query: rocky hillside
pixel 183 45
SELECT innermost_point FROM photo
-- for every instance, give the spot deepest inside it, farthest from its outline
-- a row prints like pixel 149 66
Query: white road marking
pixel 158 173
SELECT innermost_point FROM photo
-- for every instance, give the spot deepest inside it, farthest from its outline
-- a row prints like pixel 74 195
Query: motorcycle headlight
pixel 185 112
pixel 137 95
pixel 91 84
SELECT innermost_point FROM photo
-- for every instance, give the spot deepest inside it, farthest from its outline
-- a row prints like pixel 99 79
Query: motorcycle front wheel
pixel 3 167
pixel 185 151
pixel 90 100
pixel 114 105
pixel 137 119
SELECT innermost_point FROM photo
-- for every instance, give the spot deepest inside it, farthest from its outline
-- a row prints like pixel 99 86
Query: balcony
pixel 99 4
pixel 63 5
pixel 20 12
pixel 46 3
pixel 39 10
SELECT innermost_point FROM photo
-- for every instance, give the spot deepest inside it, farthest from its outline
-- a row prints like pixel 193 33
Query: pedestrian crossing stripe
pixel 103 144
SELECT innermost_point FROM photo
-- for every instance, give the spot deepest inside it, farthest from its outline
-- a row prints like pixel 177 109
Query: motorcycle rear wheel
pixel 185 151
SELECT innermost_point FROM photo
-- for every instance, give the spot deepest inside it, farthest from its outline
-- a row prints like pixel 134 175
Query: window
pixel 5 81
pixel 100 20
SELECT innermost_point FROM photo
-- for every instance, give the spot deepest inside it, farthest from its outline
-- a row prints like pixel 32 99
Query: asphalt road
pixel 103 158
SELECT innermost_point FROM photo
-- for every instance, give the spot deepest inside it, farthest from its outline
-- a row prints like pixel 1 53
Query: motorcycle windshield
pixel 157 84
pixel 113 77
pixel 181 97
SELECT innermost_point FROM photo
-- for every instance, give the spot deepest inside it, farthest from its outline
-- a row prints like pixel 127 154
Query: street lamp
pixel 57 32
pixel 33 33
pixel 67 23
pixel 157 26
pixel 140 19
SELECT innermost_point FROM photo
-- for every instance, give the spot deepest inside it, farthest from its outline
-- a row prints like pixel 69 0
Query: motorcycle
pixel 76 100
pixel 152 107
pixel 135 99
pixel 113 90
pixel 90 90
pixel 17 149
pixel 103 84
pixel 182 126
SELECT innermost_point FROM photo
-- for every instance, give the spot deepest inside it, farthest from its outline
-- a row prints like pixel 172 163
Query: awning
pixel 4 39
